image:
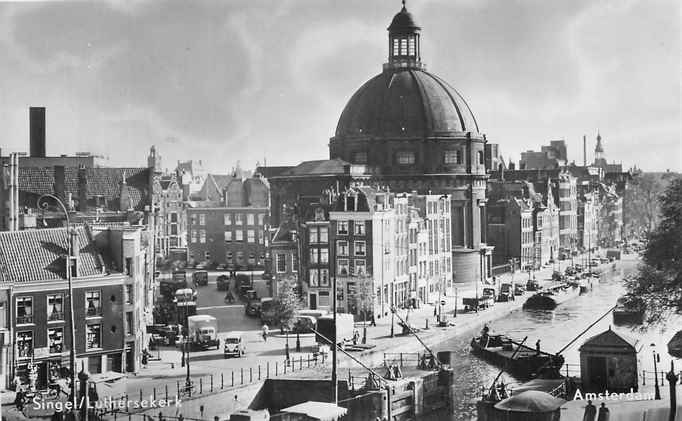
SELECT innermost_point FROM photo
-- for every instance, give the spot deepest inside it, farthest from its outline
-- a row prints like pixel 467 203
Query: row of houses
pixel 384 249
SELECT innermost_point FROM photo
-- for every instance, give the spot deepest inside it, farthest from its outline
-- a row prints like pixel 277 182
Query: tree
pixel 286 303
pixel 364 299
pixel 640 205
pixel 659 277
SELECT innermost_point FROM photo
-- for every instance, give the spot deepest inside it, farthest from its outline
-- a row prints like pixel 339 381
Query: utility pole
pixel 335 385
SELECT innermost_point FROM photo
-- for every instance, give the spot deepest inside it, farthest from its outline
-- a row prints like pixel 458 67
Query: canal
pixel 554 329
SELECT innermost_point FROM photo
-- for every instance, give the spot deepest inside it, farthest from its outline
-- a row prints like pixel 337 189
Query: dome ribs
pixel 426 105
pixel 449 89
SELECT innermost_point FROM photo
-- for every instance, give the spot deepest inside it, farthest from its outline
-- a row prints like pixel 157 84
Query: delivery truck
pixel 203 331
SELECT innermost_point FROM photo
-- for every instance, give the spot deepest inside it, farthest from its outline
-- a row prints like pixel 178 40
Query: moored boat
pixel 520 360
pixel 629 310
pixel 552 297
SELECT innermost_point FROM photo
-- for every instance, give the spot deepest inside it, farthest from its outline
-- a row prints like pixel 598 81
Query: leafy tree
pixel 659 278
pixel 640 204
pixel 286 303
pixel 364 296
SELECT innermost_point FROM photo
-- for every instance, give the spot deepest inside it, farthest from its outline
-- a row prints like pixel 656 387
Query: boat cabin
pixel 608 361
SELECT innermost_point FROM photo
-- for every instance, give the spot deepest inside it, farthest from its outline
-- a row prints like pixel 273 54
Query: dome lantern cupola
pixel 403 41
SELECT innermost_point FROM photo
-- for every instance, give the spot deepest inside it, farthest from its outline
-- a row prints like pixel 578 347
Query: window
pixel 193 219
pixel 314 257
pixel 312 235
pixel 261 219
pixel 228 256
pixel 55 340
pixel 405 158
pixel 342 267
pixel 359 228
pixel 239 235
pixel 261 237
pixel 360 268
pixel 359 248
pixel 24 310
pixel 313 278
pixel 202 236
pixel 342 248
pixel 342 227
pixel 129 323
pixel 324 234
pixel 250 219
pixel 93 303
pixel 128 294
pixel 324 255
pixel 453 157
pixel 207 255
pixel 251 236
pixel 228 219
pixel 294 262
pixel 193 236
pixel 281 263
pixel 55 307
pixel 324 277
pixel 360 158
pixel 25 344
pixel 174 218
pixel 93 338
pixel 174 230
pixel 396 46
pixel 324 298
pixel 411 50
pixel 202 219
pixel 238 219
pixel 228 236
pixel 403 46
pixel 480 158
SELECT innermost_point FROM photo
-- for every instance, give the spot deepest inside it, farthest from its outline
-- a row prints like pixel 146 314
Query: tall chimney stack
pixel 36 117
pixel 584 151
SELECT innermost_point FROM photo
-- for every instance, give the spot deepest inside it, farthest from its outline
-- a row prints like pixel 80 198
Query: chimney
pixel 36 117
pixel 584 151
pixel 82 189
pixel 59 182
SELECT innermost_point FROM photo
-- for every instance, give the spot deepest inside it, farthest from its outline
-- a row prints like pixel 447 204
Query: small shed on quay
pixel 608 361
pixel 531 405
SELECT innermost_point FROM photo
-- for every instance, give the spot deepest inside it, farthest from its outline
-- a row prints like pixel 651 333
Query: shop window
pixel 93 338
pixel 55 340
pixel 25 344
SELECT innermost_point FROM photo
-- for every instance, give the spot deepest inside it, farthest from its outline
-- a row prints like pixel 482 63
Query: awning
pixel 323 411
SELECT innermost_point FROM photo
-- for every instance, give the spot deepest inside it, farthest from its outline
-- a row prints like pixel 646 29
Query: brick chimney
pixel 36 117
pixel 82 189
pixel 59 182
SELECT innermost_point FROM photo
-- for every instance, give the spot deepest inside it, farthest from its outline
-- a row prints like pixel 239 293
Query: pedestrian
pixel 537 346
pixel 266 329
pixel 356 336
pixel 590 412
pixel 604 413
pixel 374 321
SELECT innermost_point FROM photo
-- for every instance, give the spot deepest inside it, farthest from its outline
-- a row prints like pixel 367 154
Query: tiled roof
pixel 38 255
pixel 104 182
pixel 319 167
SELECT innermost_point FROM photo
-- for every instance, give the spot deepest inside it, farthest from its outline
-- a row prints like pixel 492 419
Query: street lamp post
pixel 286 348
pixel 657 358
pixel 42 204
pixel 392 319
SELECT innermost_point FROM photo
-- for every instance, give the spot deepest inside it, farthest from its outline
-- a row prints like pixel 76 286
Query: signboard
pixel 41 352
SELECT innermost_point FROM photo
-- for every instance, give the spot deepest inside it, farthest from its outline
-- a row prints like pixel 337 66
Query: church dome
pixel 405 102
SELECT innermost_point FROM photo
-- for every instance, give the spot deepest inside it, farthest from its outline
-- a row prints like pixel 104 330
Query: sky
pixel 255 80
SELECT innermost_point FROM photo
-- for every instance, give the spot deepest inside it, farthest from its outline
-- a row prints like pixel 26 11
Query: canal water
pixel 555 329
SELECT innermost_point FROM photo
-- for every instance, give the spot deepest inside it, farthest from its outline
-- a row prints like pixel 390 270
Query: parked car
pixel 253 308
pixel 223 283
pixel 234 345
pixel 490 292
pixel 200 278
pixel 506 293
pixel 519 289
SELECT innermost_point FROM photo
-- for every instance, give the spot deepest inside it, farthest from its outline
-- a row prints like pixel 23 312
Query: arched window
pixel 480 158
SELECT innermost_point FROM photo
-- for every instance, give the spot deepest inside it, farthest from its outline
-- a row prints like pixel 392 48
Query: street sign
pixel 442 302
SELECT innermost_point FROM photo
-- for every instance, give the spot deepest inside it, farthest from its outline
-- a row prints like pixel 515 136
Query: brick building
pixel 232 233
pixel 109 291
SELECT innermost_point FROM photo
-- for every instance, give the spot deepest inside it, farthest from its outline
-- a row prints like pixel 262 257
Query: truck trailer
pixel 203 331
